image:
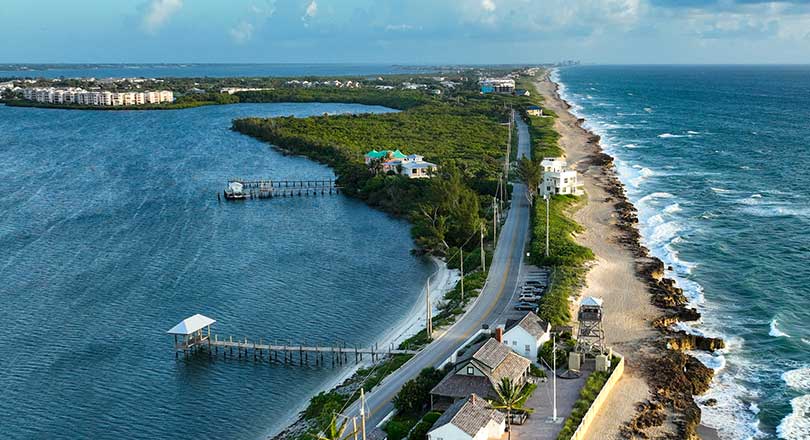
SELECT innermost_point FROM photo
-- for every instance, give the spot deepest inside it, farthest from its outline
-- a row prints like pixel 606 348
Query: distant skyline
pixel 405 32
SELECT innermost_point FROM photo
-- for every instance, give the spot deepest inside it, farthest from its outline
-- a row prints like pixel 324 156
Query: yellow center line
pixel 464 337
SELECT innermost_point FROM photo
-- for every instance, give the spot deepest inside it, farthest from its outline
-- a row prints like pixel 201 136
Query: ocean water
pixel 111 233
pixel 203 70
pixel 717 160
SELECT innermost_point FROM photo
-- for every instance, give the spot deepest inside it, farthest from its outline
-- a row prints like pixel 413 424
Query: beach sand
pixel 628 310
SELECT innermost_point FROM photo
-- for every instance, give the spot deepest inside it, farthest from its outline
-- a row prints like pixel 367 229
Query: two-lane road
pixel 495 298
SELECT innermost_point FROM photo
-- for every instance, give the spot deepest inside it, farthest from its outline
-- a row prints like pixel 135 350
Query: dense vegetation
pixel 464 136
pixel 397 99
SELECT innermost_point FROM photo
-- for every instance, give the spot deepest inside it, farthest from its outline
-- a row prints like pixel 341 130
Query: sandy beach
pixel 628 309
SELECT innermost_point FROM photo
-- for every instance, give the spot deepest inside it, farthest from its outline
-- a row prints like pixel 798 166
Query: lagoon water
pixel 716 159
pixel 111 233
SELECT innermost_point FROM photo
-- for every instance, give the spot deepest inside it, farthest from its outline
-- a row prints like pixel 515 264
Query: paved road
pixel 488 308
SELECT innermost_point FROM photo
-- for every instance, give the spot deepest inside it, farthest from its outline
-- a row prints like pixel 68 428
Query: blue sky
pixel 399 31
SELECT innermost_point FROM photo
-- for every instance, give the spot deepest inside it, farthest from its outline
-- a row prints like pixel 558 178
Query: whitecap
pixel 648 109
pixel 670 135
pixel 720 190
pixel 798 379
pixel 797 424
pixel 630 146
pixel 715 361
pixel 806 341
pixel 665 232
pixel 775 332
pixel 692 132
pixel 673 208
pixel 655 195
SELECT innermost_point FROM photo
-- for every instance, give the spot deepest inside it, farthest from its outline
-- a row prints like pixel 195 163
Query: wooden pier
pixel 242 189
pixel 193 335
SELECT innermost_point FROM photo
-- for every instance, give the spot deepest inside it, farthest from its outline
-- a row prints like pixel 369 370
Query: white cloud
pixel 488 5
pixel 266 10
pixel 159 12
pixel 312 9
pixel 242 32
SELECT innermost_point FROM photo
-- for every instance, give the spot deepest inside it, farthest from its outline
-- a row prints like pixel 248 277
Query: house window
pixel 527 348
pixel 514 342
pixel 470 371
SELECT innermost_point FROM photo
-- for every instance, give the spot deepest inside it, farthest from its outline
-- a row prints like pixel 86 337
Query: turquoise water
pixel 111 233
pixel 716 159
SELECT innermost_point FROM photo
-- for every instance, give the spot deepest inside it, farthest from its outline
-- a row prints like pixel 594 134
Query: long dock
pixel 286 353
pixel 242 189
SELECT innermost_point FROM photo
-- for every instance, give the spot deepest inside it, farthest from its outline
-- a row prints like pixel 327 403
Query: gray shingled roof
pixel 491 354
pixel 470 415
pixel 531 323
pixel 493 359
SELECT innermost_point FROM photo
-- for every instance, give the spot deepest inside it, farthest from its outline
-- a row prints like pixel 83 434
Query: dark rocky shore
pixel 674 376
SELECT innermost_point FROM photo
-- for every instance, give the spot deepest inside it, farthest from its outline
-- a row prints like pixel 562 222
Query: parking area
pixel 532 284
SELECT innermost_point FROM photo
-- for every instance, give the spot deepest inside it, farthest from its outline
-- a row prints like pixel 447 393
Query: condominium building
pixel 73 95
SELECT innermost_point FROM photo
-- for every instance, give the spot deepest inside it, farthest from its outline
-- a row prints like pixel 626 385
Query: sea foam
pixel 670 136
pixel 775 332
pixel 796 425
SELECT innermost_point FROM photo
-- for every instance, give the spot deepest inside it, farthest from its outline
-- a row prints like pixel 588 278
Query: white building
pixel 557 179
pixel 497 85
pixel 561 183
pixel 526 335
pixel 553 164
pixel 469 419
pixel 71 95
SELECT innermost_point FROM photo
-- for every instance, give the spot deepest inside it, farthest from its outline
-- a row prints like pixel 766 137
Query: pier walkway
pixel 242 189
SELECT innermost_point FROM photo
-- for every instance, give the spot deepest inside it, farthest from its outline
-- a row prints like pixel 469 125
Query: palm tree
pixel 510 398
pixel 335 432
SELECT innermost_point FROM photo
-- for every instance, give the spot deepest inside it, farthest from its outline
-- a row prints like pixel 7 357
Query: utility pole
pixel 483 255
pixel 461 256
pixel 494 219
pixel 547 197
pixel 354 427
pixel 554 377
pixel 428 317
pixel 363 413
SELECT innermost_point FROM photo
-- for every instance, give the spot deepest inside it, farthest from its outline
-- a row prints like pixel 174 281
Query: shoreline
pixel 655 398
pixel 445 280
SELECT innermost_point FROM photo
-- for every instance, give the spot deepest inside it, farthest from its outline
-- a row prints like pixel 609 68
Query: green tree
pixel 415 393
pixel 510 398
pixel 530 173
pixel 335 431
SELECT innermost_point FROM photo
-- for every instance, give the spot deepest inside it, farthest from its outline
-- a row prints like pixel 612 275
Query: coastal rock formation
pixel 683 341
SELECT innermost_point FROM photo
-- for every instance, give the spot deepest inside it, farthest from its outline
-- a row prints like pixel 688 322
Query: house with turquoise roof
pixel 412 166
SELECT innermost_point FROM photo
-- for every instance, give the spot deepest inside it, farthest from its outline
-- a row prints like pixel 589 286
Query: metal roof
pixel 591 301
pixel 191 325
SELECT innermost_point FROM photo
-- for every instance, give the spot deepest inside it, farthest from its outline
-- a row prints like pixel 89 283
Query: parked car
pixel 534 283
pixel 526 306
pixel 524 297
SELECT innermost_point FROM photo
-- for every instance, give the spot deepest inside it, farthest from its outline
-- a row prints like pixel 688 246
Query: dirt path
pixel 628 311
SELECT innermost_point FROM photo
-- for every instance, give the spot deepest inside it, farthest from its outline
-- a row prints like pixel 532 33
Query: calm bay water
pixel 111 233
pixel 716 158
pixel 205 70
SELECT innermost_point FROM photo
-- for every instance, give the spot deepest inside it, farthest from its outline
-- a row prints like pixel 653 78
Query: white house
pixel 418 170
pixel 553 164
pixel 469 419
pixel 525 336
pixel 562 182
pixel 534 110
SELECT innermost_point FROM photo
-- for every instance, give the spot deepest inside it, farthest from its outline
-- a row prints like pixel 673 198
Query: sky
pixel 406 32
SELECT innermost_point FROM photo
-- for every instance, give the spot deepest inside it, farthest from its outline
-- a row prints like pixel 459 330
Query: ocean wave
pixel 673 208
pixel 692 132
pixel 670 136
pixel 653 196
pixel 775 332
pixel 734 413
pixel 797 424
pixel 715 361
pixel 806 341
pixel 798 379
pixel 630 146
pixel 720 190
pixel 648 109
